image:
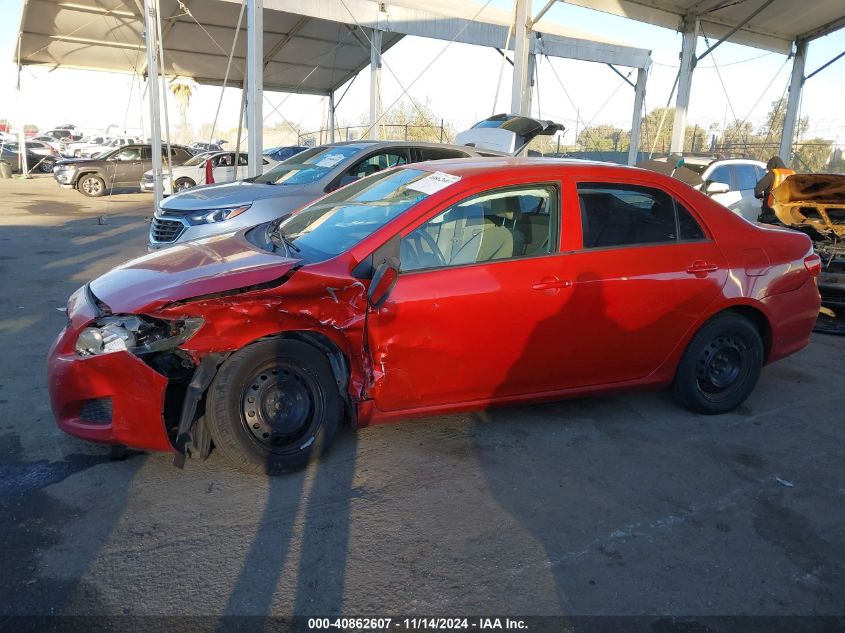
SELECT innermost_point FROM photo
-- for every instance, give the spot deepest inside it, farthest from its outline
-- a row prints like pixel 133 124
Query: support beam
pixel 521 85
pixel 151 40
pixel 255 85
pixel 331 117
pixel 796 84
pixel 691 28
pixel 375 82
pixel 636 121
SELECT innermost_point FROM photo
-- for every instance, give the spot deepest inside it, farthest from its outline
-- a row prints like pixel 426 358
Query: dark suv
pixel 121 168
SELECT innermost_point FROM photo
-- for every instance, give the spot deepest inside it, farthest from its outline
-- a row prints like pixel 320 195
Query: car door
pixel 476 313
pixel 645 273
pixel 223 167
pixel 732 199
pixel 745 178
pixel 123 165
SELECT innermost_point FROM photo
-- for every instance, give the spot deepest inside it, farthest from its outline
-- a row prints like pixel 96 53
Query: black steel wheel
pixel 720 366
pixel 273 406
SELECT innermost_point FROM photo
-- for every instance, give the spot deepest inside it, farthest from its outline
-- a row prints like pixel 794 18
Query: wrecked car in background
pixel 431 288
pixel 815 204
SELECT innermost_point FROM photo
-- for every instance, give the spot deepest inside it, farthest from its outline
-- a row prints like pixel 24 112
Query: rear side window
pixel 746 177
pixel 622 215
pixel 432 153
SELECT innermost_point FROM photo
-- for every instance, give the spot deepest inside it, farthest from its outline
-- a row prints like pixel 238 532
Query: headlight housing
pixel 217 215
pixel 134 333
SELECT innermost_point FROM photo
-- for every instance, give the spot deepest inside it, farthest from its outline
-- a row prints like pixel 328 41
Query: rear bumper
pixel 113 398
pixel 792 316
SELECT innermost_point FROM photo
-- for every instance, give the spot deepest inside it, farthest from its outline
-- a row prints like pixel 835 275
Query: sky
pixel 461 85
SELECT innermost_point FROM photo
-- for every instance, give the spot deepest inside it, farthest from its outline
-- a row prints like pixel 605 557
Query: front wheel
pixel 91 185
pixel 720 366
pixel 274 406
pixel 182 184
pixel 46 167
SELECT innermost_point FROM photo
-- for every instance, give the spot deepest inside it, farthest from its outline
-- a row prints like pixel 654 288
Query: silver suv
pixel 215 209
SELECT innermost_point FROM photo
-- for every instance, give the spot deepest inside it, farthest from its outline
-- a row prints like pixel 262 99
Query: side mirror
pixel 385 277
pixel 714 187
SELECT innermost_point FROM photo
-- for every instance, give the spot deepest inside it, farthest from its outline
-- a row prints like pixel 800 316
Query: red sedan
pixel 432 288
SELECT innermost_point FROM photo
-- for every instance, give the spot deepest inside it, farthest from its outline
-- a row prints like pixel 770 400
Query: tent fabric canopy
pixel 310 47
pixel 773 29
pixel 305 55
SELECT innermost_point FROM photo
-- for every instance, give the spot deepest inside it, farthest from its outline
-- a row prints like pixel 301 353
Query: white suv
pixel 738 174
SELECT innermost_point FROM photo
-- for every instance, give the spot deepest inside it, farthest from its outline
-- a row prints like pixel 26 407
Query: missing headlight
pixel 139 335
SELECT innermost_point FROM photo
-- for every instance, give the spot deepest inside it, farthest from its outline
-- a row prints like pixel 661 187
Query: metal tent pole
pixel 151 13
pixel 375 82
pixel 796 85
pixel 688 59
pixel 255 85
pixel 331 116
pixel 522 67
pixel 636 122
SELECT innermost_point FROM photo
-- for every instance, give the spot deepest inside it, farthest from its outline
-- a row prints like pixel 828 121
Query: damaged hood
pixel 216 264
pixel 227 195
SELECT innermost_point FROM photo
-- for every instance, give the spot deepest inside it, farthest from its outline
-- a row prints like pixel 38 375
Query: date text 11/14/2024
pixel 416 624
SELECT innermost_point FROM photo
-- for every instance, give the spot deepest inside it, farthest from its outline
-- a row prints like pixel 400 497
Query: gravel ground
pixel 614 505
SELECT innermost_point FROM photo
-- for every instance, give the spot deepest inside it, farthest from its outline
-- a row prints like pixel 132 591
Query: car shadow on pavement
pixel 297 558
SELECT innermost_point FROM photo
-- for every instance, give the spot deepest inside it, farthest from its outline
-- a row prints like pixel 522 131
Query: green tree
pixel 656 133
pixel 411 121
pixel 812 156
pixel 603 138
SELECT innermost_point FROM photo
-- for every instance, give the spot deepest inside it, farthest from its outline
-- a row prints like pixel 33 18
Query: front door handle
pixel 700 268
pixel 552 283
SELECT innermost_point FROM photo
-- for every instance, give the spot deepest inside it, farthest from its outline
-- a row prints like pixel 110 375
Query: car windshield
pixel 342 219
pixel 199 159
pixel 309 166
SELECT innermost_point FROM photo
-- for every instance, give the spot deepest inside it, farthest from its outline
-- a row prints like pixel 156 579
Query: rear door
pixel 646 272
pixel 745 178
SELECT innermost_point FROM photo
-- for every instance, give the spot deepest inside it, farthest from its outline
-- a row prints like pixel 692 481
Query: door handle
pixel 551 283
pixel 700 268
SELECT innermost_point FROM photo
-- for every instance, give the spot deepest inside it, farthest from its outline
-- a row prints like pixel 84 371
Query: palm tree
pixel 182 88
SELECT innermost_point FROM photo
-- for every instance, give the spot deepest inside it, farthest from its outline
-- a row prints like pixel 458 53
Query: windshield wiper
pixel 278 238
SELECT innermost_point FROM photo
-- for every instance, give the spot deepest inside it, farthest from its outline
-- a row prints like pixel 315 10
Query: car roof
pixel 479 165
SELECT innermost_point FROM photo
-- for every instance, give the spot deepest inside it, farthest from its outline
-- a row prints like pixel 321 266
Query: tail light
pixel 813 264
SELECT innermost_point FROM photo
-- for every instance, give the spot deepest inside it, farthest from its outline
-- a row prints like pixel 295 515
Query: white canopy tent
pixel 781 26
pixel 309 47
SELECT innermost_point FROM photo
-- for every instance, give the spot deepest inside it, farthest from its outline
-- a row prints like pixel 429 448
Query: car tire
pixel 274 406
pixel 183 183
pixel 721 365
pixel 91 185
pixel 46 167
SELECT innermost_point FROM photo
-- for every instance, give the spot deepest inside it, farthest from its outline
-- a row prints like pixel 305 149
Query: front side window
pixel 721 174
pixel 746 177
pixel 621 215
pixel 375 163
pixel 129 153
pixel 492 226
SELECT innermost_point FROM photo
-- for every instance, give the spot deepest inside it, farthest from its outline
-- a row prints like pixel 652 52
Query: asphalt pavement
pixel 616 505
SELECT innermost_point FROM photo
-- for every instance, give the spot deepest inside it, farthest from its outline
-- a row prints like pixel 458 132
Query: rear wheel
pixel 46 166
pixel 720 366
pixel 183 183
pixel 274 406
pixel 91 185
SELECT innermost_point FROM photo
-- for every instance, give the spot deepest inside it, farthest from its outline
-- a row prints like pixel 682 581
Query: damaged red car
pixel 431 288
